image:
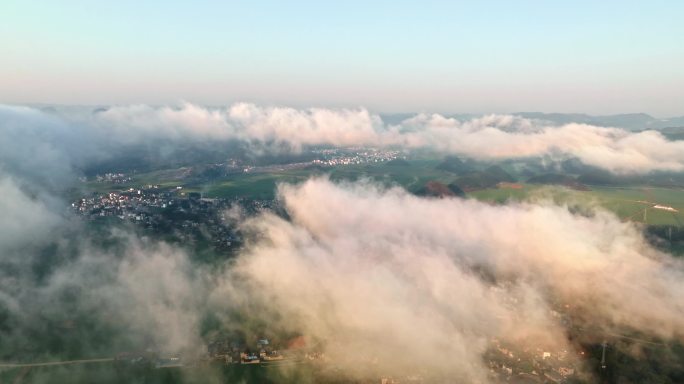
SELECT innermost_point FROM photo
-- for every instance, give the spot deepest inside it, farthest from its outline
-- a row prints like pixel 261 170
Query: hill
pixel 500 174
pixel 630 121
pixel 454 164
pixel 558 179
pixel 437 189
pixel 398 163
pixel 489 178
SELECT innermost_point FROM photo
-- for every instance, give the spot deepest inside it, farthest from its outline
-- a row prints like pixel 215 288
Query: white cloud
pixel 24 219
pixel 77 137
pixel 383 276
pixel 488 137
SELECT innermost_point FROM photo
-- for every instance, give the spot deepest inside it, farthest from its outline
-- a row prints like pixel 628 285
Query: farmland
pixel 635 202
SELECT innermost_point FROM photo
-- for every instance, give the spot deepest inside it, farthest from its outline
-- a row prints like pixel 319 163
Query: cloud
pixel 31 137
pixel 24 219
pixel 69 290
pixel 503 137
pixel 377 276
pixel 315 126
pixel 382 278
pixel 135 123
pixel 35 147
pixel 70 296
pixel 492 137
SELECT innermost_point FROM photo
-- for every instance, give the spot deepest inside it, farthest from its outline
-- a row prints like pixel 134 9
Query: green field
pixel 113 372
pixel 629 203
pixel 262 184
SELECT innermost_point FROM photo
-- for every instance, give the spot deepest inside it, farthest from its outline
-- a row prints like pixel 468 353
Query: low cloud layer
pixel 383 277
pixel 494 137
pixel 68 297
pixel 382 281
pixel 504 137
pixel 490 137
pixel 376 277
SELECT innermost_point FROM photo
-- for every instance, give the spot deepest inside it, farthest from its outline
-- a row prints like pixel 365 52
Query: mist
pixel 370 274
pixel 489 137
pixel 380 276
pixel 86 135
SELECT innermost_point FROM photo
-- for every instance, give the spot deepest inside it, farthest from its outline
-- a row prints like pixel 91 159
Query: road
pixel 49 363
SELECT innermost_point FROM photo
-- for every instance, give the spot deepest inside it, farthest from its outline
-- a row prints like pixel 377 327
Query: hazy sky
pixel 390 56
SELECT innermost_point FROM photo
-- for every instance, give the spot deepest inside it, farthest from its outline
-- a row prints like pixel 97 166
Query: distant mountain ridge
pixel 630 121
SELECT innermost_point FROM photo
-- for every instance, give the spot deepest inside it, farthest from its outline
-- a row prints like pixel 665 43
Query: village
pixel 507 363
pixel 333 157
pixel 194 220
pixel 184 217
pixel 530 364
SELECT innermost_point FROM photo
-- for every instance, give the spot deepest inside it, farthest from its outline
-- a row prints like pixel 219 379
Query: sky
pixel 389 56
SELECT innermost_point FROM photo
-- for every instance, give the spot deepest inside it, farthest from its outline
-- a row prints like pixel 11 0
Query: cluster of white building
pixel 358 157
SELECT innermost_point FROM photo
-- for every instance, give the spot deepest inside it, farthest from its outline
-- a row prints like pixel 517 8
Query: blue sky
pixel 391 56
